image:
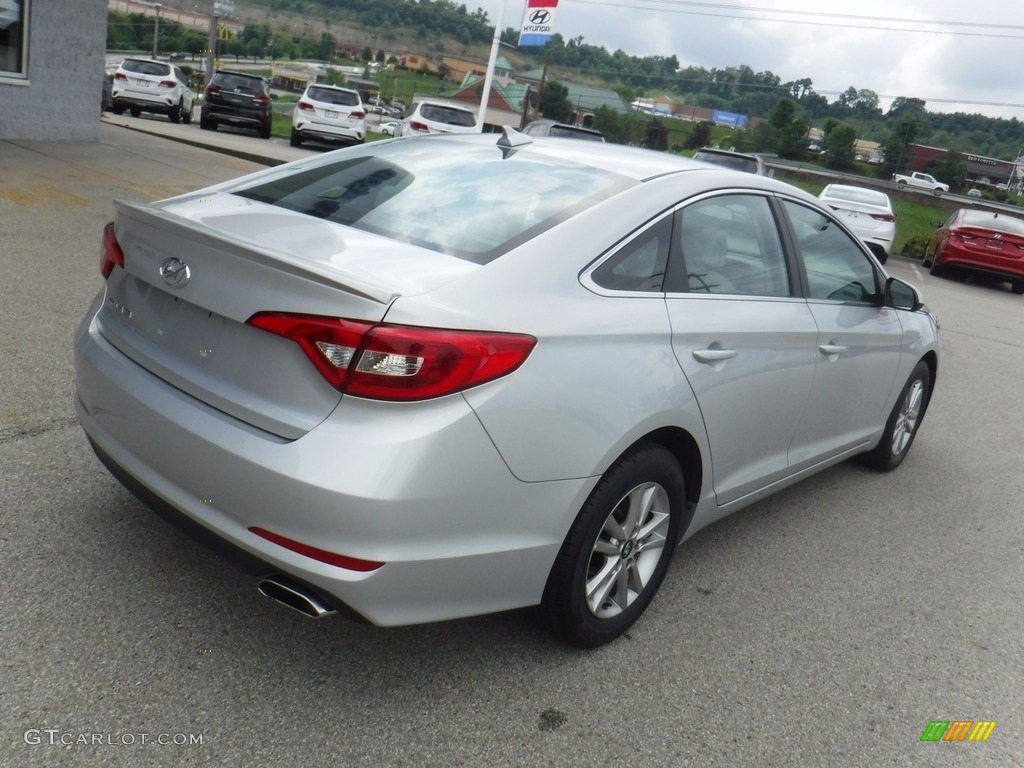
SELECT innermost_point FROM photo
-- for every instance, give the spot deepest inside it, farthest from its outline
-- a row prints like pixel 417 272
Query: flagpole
pixel 489 77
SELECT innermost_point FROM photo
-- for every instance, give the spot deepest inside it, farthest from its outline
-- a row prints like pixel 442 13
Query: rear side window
pixel 139 67
pixel 447 115
pixel 332 96
pixel 730 245
pixel 639 265
pixel 465 200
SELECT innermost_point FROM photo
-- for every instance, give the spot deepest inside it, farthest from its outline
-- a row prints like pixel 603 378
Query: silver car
pixel 439 377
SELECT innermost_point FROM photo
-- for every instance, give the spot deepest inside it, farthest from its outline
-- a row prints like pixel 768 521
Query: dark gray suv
pixel 237 99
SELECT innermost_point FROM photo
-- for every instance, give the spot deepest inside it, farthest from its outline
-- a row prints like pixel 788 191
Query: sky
pixel 958 55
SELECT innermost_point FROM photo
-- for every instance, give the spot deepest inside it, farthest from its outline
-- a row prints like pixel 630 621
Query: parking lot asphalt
pixel 825 626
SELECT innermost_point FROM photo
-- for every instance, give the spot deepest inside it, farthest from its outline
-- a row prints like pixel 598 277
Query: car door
pixel 858 344
pixel 742 335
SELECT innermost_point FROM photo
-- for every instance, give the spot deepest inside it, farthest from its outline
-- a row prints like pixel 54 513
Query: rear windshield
pixel 574 133
pixel 736 162
pixel 332 96
pixel 238 83
pixel 447 115
pixel 140 67
pixel 458 198
pixel 994 221
pixel 858 195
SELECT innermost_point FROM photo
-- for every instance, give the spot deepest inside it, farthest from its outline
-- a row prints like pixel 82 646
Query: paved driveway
pixel 826 626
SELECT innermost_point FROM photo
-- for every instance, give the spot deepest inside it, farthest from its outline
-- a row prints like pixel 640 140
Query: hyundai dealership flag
pixel 538 22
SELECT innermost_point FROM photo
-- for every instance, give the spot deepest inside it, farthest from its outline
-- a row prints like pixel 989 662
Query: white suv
pixel 438 117
pixel 329 113
pixel 144 85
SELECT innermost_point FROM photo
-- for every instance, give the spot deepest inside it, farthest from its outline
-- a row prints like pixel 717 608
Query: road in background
pixel 825 626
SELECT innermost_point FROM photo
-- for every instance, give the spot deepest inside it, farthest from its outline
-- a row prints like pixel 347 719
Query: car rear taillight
pixel 883 217
pixel 212 90
pixel 120 76
pixel 357 114
pixel 305 106
pixel 398 362
pixel 261 98
pixel 167 83
pixel 112 254
pixel 416 125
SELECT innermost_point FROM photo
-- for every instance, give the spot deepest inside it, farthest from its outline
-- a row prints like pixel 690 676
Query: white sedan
pixel 389 129
pixel 867 212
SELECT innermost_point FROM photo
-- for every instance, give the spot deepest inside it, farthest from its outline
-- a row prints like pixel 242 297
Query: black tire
pixel 901 185
pixel 206 124
pixel 296 139
pixel 644 488
pixel 135 111
pixel 937 191
pixel 935 270
pixel 926 262
pixel 117 109
pixel 175 113
pixel 903 423
pixel 1017 287
pixel 186 116
pixel 263 133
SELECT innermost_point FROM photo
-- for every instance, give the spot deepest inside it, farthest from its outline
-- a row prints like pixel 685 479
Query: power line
pixel 872 27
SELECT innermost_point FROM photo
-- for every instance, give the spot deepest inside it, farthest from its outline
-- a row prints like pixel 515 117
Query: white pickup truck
pixel 923 180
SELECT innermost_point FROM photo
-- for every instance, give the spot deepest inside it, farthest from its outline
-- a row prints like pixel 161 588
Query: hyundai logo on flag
pixel 538 22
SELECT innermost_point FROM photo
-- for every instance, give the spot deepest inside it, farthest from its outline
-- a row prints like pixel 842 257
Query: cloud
pixel 877 52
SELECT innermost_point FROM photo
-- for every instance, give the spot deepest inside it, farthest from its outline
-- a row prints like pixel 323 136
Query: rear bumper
pixel 319 132
pixel 419 488
pixel 235 117
pixel 157 104
pixel 961 259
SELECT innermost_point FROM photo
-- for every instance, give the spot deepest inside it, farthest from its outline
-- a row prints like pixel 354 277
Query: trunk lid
pixel 242 257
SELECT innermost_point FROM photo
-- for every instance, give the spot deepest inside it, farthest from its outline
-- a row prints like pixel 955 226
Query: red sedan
pixel 981 242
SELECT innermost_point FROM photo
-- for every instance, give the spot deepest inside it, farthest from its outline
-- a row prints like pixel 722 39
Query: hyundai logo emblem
pixel 175 272
pixel 540 17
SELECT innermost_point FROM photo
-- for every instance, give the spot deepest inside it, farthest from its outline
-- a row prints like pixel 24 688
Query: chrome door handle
pixel 831 349
pixel 713 355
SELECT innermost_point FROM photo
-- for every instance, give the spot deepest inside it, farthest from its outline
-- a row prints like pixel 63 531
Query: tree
pixel 700 137
pixel 554 102
pixel 838 144
pixel 950 167
pixel 788 128
pixel 897 147
pixel 367 54
pixel 618 127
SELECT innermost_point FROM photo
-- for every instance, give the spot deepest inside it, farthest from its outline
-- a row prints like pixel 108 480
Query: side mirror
pixel 900 295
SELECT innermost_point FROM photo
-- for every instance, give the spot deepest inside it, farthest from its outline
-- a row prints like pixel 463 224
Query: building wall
pixel 60 98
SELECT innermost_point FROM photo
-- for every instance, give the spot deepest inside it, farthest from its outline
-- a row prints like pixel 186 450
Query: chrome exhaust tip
pixel 295 596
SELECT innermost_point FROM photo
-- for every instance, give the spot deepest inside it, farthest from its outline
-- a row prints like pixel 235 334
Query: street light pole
pixel 156 30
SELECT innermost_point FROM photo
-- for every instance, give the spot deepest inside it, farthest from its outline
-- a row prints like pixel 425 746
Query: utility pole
pixel 156 30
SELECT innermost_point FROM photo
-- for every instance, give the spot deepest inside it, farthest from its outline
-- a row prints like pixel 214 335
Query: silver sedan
pixel 445 376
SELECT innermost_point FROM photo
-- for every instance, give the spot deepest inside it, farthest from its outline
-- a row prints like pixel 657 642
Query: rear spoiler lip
pixel 285 262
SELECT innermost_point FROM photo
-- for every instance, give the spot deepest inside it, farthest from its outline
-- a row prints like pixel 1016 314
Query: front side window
pixel 13 38
pixel 837 267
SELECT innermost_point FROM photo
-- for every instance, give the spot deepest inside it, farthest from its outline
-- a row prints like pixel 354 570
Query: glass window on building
pixel 13 37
